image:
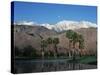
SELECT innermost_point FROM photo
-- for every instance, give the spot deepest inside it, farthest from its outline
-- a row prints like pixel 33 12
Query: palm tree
pixel 81 42
pixel 74 41
pixel 55 42
pixel 69 35
pixel 74 37
pixel 43 45
pixel 49 42
pixel 77 38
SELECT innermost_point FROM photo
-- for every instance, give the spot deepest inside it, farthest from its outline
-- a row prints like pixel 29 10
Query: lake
pixel 28 66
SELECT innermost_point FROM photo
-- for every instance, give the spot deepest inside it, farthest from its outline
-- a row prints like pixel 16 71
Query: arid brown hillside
pixel 30 35
pixel 90 39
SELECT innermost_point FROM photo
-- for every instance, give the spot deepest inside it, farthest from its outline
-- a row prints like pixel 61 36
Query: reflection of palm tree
pixel 55 42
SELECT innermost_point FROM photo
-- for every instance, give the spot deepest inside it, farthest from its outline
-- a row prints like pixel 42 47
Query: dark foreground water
pixel 28 66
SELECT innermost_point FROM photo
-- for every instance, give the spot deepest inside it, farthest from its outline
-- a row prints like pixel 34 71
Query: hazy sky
pixel 53 13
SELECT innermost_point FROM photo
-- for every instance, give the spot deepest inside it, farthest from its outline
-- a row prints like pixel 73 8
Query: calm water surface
pixel 28 66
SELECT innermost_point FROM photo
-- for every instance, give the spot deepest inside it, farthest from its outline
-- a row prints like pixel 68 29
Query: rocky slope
pixel 30 35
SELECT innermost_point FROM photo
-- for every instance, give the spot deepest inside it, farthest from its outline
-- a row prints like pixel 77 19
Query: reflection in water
pixel 28 66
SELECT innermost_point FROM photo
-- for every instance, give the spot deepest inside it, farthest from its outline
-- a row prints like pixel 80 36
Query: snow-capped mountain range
pixel 62 25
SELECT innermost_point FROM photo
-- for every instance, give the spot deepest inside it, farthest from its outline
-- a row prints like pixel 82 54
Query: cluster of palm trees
pixel 51 43
pixel 47 42
pixel 73 37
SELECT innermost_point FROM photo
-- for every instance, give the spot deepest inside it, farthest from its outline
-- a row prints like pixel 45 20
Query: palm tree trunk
pixel 74 49
pixel 42 54
pixel 69 53
pixel 55 54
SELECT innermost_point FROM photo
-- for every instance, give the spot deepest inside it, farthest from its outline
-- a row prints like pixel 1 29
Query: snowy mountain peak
pixel 24 23
pixel 47 25
pixel 66 25
pixel 66 22
pixel 62 25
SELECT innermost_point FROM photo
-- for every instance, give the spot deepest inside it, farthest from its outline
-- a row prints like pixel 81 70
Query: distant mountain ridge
pixel 62 25
pixel 66 25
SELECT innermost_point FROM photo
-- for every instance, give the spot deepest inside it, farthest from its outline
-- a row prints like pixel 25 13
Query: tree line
pixel 73 37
